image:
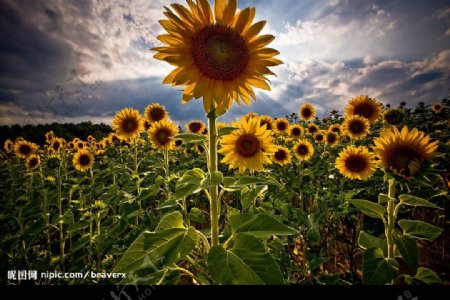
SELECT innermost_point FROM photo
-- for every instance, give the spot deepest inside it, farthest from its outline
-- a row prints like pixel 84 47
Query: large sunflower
pixel 356 127
pixel 162 134
pixel 296 131
pixel 8 146
pixel 307 112
pixel 248 147
pixel 196 127
pixel 32 162
pixel 281 125
pixel 83 160
pixel 128 123
pixel 281 156
pixel 155 112
pixel 404 151
pixel 218 53
pixel 356 163
pixel 24 148
pixel 303 150
pixel 365 107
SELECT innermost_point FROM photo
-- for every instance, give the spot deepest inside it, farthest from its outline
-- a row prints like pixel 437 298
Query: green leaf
pixel 376 269
pixel 367 241
pixel 197 216
pixel 189 183
pixel 407 246
pixel 416 201
pixel 369 208
pixel 191 138
pixel 170 221
pixel 427 276
pixel 383 198
pixel 225 130
pixel 419 229
pixel 259 225
pixel 247 262
pixel 248 196
pixel 216 178
pixel 249 180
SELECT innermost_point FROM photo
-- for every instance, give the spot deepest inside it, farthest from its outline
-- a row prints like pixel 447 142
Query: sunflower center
pixel 129 125
pixel 355 163
pixel 178 143
pixel 220 53
pixel 195 127
pixel 163 136
pixel 365 110
pixel 56 146
pixel 80 145
pixel 401 158
pixel 331 138
pixel 312 129
pixel 33 162
pixel 280 155
pixel 281 126
pixel 356 127
pixel 157 114
pixel 296 131
pixel 247 145
pixel 25 149
pixel 392 117
pixel 268 125
pixel 306 112
pixel 84 160
pixel 319 137
pixel 302 150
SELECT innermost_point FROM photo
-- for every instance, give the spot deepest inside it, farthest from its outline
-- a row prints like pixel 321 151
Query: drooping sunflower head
pixel 32 162
pixel 248 147
pixel 128 124
pixel 356 127
pixel 196 127
pixel 162 134
pixel 319 137
pixel 268 121
pixel 83 160
pixel 281 156
pixel 313 129
pixel 437 108
pixel 403 152
pixel 155 112
pixel 8 146
pixel 296 131
pixel 392 116
pixel 281 125
pixel 356 163
pixel 218 53
pixel 365 107
pixel 336 128
pixel 331 138
pixel 303 150
pixel 307 112
pixel 24 148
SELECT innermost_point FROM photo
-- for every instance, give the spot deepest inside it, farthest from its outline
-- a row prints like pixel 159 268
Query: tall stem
pixel 136 171
pixel 214 190
pixel 390 219
pixel 61 226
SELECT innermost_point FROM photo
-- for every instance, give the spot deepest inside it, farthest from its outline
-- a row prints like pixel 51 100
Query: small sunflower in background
pixel 80 144
pixel 49 136
pixel 196 127
pixel 319 137
pixel 356 163
pixel 113 138
pixel 128 124
pixel 250 115
pixel 90 138
pixel 336 128
pixel 249 147
pixel 296 131
pixel 155 112
pixel 365 107
pixel 268 121
pixel 303 150
pixel 437 108
pixel 313 129
pixel 403 152
pixel 392 116
pixel 24 148
pixel 56 144
pixel 199 149
pixel 8 146
pixel 356 127
pixel 281 156
pixel 83 160
pixel 331 138
pixel 32 162
pixel 162 134
pixel 307 112
pixel 281 125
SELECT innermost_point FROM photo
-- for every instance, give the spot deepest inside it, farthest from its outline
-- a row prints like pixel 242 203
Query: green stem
pixel 214 190
pixel 136 173
pixel 390 219
pixel 61 227
pixel 185 211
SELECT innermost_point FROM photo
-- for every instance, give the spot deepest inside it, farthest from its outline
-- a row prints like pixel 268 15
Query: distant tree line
pixel 68 131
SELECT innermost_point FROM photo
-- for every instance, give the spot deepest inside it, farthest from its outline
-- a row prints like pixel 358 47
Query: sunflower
pixel 281 156
pixel 196 127
pixel 113 138
pixel 331 138
pixel 356 127
pixel 307 112
pixel 80 145
pixel 268 121
pixel 281 125
pixel 319 137
pixel 303 150
pixel 296 131
pixel 49 136
pixel 437 108
pixel 32 162
pixel 336 128
pixel 392 116
pixel 356 163
pixel 128 123
pixel 365 107
pixel 404 151
pixel 250 116
pixel 200 149
pixel 161 135
pixel 218 53
pixel 56 144
pixel 248 147
pixel 83 160
pixel 313 129
pixel 8 146
pixel 24 148
pixel 155 112
pixel 90 138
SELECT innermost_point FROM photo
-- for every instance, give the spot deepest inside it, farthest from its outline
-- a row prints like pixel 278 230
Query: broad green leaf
pixel 407 246
pixel 189 183
pixel 367 241
pixel 191 138
pixel 248 195
pixel 216 178
pixel 247 262
pixel 169 221
pixel 419 229
pixel 225 130
pixel 259 225
pixel 369 208
pixel 378 270
pixel 427 276
pixel 416 201
pixel 383 198
pixel 249 180
pixel 196 215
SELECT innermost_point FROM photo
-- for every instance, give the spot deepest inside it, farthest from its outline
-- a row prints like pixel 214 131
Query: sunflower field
pixel 358 197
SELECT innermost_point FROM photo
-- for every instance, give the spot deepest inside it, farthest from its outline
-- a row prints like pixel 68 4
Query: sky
pixel 73 61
